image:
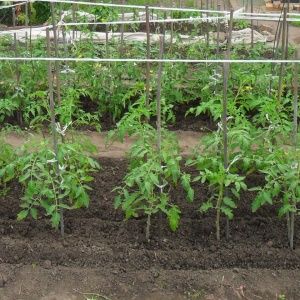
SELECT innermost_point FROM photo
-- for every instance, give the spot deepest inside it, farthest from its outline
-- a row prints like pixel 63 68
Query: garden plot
pixel 106 195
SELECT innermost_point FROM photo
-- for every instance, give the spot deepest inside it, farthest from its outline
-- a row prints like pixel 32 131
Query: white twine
pixel 125 6
pixel 3 32
pixel 143 21
pixel 143 60
pixel 13 5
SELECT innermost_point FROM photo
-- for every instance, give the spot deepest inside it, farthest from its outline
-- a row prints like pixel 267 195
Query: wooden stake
pixel 291 225
pixel 252 30
pixel 158 95
pixel 148 57
pixel 226 70
pixel 218 31
pixel 284 32
pixel 57 69
pixel 207 25
pixel 18 74
pixel 122 31
pixel 106 39
pixel 295 102
pixel 26 24
pixel 52 115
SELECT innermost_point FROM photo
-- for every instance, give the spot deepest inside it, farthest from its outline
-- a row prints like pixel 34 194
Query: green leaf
pixel 33 212
pixel 261 199
pixel 206 206
pixel 22 215
pixel 174 217
pixel 285 209
pixel 55 219
pixel 117 202
pixel 229 202
pixel 227 212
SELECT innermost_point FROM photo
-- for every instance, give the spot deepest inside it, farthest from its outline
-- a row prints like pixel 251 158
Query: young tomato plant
pixel 151 175
pixel 7 165
pixel 282 177
pixel 55 182
pixel 225 182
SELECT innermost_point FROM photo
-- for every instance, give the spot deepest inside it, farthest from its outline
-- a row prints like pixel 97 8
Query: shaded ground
pixel 104 255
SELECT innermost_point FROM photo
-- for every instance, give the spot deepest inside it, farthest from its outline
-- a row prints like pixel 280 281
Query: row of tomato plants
pixel 57 181
pixel 91 91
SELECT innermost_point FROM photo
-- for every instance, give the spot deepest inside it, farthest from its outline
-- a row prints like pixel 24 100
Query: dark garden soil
pixel 104 255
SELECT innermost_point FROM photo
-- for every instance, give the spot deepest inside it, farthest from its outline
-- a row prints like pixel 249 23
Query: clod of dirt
pixel 3 280
pixel 47 264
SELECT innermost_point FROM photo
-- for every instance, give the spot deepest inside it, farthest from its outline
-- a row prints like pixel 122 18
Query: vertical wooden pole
pixel 295 140
pixel 158 95
pixel 252 30
pixel 57 71
pixel 172 31
pixel 226 71
pixel 106 39
pixel 26 24
pixel 207 24
pixel 73 19
pixel 52 116
pixel 295 102
pixel 148 57
pixel 218 30
pixel 164 28
pixel 122 31
pixel 283 49
pixel 17 70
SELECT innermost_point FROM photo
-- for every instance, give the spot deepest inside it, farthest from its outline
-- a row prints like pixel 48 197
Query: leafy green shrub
pixel 282 175
pixel 225 182
pixel 7 165
pixel 55 181
pixel 151 175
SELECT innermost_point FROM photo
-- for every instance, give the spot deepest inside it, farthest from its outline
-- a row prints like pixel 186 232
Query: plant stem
pixel 218 208
pixel 288 225
pixel 292 229
pixel 148 228
pixel 227 229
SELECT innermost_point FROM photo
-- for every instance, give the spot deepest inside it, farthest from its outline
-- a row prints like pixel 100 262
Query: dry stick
pixel 56 52
pixel 26 24
pixel 17 65
pixel 207 25
pixel 164 25
pixel 275 51
pixel 218 30
pixel 284 32
pixel 57 71
pixel 252 30
pixel 172 31
pixel 148 57
pixel 158 95
pixel 73 19
pixel 287 33
pixel 52 115
pixel 122 31
pixel 295 142
pixel 106 39
pixel 226 67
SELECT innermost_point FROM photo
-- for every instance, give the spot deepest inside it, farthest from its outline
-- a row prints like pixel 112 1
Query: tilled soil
pixel 105 255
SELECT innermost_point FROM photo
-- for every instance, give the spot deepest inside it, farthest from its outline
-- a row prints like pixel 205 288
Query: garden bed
pixel 101 253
